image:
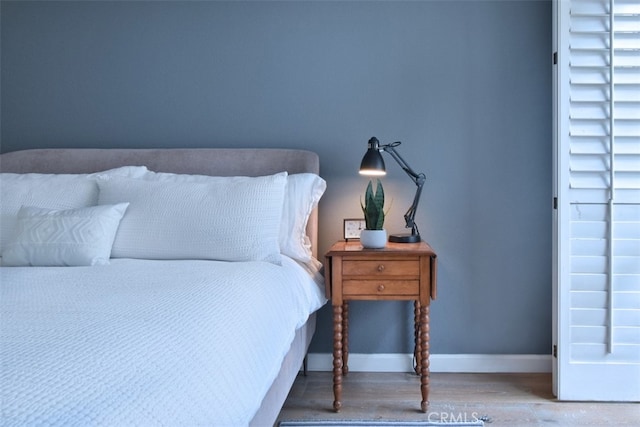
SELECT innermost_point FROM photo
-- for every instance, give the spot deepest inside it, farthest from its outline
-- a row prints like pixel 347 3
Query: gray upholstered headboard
pixel 203 161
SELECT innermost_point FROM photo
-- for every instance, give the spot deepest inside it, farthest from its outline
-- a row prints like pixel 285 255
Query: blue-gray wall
pixel 466 85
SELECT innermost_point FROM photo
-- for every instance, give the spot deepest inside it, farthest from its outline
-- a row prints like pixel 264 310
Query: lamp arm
pixel 390 148
pixel 410 215
pixel 417 178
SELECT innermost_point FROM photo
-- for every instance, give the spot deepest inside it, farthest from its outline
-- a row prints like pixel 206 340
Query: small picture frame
pixel 352 228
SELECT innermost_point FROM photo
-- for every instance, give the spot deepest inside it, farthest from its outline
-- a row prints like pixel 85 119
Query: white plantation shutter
pixel 597 253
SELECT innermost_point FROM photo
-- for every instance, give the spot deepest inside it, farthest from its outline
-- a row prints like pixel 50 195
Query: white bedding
pixel 142 342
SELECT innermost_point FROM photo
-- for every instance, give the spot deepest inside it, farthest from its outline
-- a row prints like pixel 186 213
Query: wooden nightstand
pixel 400 271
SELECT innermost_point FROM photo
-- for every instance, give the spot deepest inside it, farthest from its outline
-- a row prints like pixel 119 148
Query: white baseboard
pixel 475 363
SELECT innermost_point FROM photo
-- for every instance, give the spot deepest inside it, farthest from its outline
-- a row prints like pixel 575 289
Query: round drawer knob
pixel 380 288
pixel 381 268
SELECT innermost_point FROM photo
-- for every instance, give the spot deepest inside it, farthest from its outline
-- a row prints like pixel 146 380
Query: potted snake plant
pixel 374 235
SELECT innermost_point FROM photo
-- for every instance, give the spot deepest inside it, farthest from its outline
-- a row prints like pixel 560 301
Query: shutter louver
pixel 604 104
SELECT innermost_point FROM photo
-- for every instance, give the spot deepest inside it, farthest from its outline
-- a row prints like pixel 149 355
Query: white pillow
pixel 235 219
pixel 72 237
pixel 303 191
pixel 52 191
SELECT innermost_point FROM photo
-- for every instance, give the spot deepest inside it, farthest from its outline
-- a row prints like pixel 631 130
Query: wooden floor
pixel 512 400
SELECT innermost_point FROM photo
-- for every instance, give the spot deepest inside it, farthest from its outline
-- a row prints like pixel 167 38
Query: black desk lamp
pixel 373 164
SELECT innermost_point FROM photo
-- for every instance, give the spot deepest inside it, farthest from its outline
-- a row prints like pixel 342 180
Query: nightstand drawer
pixel 381 287
pixel 381 267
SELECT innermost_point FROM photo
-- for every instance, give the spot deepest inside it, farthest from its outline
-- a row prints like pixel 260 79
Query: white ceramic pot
pixel 373 239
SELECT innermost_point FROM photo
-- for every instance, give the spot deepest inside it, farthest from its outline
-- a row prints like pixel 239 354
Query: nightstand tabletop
pixel 391 248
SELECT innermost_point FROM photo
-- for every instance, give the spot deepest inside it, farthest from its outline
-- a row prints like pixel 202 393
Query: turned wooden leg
pixel 345 338
pixel 337 357
pixel 417 353
pixel 424 368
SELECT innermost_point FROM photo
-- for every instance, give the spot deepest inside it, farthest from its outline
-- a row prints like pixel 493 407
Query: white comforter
pixel 137 342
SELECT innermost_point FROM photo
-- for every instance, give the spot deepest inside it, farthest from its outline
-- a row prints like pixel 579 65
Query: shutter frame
pixel 597 179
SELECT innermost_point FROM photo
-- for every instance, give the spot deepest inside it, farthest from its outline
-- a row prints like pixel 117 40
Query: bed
pixel 192 301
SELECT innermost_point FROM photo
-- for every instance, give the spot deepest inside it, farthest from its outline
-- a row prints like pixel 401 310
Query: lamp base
pixel 404 238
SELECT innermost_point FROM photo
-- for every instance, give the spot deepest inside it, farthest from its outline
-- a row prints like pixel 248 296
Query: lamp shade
pixel 372 162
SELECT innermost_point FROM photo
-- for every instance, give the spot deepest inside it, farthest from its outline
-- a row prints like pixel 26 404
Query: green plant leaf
pixel 373 207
